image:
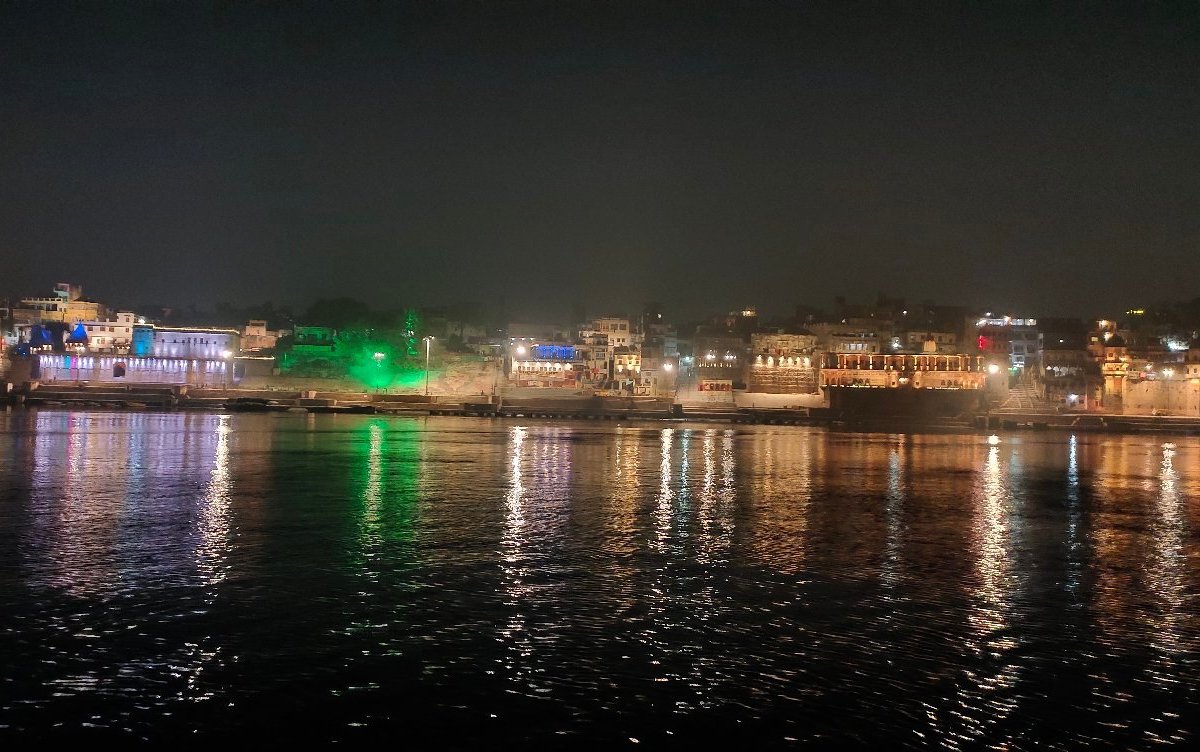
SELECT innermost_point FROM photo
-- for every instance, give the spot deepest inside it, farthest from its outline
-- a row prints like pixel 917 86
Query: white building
pixel 195 343
pixel 115 336
pixel 615 328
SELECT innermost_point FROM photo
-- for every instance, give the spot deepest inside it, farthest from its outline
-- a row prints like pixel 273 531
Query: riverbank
pixel 585 408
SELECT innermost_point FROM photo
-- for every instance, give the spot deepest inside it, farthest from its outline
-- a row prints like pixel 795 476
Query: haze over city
pixel 1027 157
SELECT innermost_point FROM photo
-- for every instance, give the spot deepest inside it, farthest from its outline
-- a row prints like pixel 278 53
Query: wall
pixel 461 375
pixel 782 344
pixel 771 377
pixel 98 369
pixel 207 344
pixel 115 335
pixel 1175 397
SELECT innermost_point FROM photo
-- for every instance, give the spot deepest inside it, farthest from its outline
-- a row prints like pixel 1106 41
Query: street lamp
pixel 428 346
pixel 227 355
pixel 378 357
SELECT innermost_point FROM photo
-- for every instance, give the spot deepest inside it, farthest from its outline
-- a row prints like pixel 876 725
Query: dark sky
pixel 705 155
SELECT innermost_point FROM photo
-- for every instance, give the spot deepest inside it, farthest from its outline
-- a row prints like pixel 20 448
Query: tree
pixel 412 331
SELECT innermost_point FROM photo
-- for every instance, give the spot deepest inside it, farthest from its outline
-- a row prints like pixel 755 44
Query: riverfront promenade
pixel 747 409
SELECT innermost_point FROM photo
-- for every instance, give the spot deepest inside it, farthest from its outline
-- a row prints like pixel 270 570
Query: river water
pixel 550 584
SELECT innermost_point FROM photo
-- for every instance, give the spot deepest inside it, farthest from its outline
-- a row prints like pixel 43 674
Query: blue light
pixel 554 352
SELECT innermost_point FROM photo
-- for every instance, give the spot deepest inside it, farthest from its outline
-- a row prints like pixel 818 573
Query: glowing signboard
pixel 554 352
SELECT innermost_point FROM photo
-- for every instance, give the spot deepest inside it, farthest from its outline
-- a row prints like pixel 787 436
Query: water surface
pixel 342 578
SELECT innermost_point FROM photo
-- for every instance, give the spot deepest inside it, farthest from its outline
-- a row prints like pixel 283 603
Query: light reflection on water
pixel 194 574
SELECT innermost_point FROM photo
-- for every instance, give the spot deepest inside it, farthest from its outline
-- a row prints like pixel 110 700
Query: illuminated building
pixel 720 356
pixel 311 346
pixel 256 336
pixel 659 344
pixel 783 363
pixel 915 341
pixel 721 347
pixel 97 352
pixel 115 336
pixel 548 365
pixel 1015 339
pixel 1097 338
pixel 1192 361
pixel 626 361
pixel 614 329
pixel 847 337
pixel 1115 369
pixel 1066 372
pixel 65 305
pixel 904 384
pixel 122 369
pixel 199 343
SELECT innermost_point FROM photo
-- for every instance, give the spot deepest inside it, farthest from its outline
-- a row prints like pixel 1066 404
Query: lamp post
pixel 378 358
pixel 227 355
pixel 667 367
pixel 428 346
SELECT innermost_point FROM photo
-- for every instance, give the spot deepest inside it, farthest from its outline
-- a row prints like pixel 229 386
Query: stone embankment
pixel 578 407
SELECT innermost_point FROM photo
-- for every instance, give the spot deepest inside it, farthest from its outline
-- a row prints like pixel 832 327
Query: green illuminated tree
pixel 412 332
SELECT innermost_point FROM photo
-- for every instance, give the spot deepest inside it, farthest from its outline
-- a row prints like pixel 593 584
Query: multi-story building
pixel 783 362
pixel 1008 338
pixel 615 328
pixel 847 337
pixel 257 337
pixel 720 357
pixel 1065 370
pixel 1191 361
pixel 929 384
pixel 65 305
pixel 113 336
pixel 1104 330
pixel 5 319
pixel 546 365
pixel 626 362
pixel 311 346
pixel 192 343
pixel 1116 368
pixel 659 343
pixel 916 341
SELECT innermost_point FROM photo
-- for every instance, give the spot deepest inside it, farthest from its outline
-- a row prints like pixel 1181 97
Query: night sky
pixel 703 155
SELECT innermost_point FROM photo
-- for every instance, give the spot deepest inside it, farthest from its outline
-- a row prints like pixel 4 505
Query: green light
pixel 390 484
pixel 376 359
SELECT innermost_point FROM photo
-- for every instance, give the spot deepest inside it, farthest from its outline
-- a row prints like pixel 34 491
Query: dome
pixel 78 335
pixel 1115 341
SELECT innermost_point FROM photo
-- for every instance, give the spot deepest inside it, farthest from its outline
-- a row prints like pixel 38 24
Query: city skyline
pixel 504 308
